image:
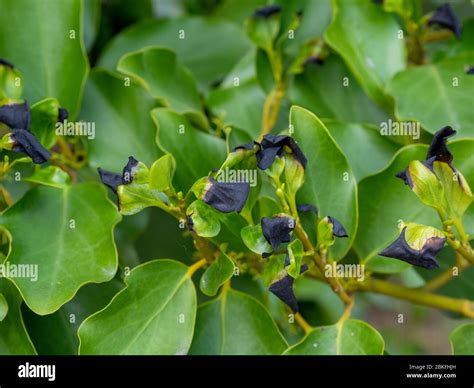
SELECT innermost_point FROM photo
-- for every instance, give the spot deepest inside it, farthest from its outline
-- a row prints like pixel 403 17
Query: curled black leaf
pixel 283 288
pixel 63 114
pixel 445 17
pixel 24 141
pixel 129 170
pixel 267 11
pixel 273 146
pixel 226 197
pixel 4 62
pixel 16 116
pixel 425 257
pixel 277 230
pixel 111 179
pixel 246 146
pixel 337 229
pixel 307 207
pixel 438 148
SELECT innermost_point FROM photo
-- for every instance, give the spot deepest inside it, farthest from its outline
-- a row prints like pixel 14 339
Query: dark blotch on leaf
pixel 63 114
pixel 337 229
pixel 307 207
pixel 16 116
pixel 273 146
pixel 445 17
pixel 4 62
pixel 267 11
pixel 277 230
pixel 110 179
pixel 424 258
pixel 227 197
pixel 24 141
pixel 283 288
pixel 438 148
pixel 129 170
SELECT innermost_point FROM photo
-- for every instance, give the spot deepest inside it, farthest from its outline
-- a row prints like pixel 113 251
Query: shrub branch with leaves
pixel 269 172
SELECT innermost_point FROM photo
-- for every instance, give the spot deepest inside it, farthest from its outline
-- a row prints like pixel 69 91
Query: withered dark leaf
pixel 438 148
pixel 226 197
pixel 307 207
pixel 16 116
pixel 337 229
pixel 277 230
pixel 24 141
pixel 425 258
pixel 129 170
pixel 445 17
pixel 63 114
pixel 246 147
pixel 272 146
pixel 267 11
pixel 110 179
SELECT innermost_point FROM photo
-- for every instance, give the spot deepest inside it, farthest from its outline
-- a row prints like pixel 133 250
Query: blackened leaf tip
pixel 227 197
pixel 129 170
pixel 63 114
pixel 4 62
pixel 16 116
pixel 445 17
pixel 111 179
pixel 438 148
pixel 283 290
pixel 338 229
pixel 24 141
pixel 307 207
pixel 267 11
pixel 405 177
pixel 277 230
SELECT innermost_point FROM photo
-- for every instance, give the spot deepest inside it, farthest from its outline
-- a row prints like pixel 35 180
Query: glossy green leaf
pixel 14 339
pixel 237 324
pixel 177 136
pixel 121 115
pixel 295 254
pixel 349 337
pixel 161 174
pixel 50 176
pixel 159 308
pixel 50 55
pixel 240 106
pixel 159 71
pixel 58 238
pixel 56 334
pixel 44 117
pixel 193 38
pixel 329 182
pixel 135 197
pixel 462 340
pixel 3 307
pixel 217 274
pixel 11 85
pixel 367 39
pixel 357 141
pixel 329 91
pixel 254 240
pixel 205 221
pixel 436 95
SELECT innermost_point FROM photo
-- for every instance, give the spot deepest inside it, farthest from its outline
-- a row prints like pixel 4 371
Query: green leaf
pixel 448 85
pixel 236 324
pixel 372 51
pixel 217 274
pixel 462 340
pixel 383 191
pixel 357 141
pixel 295 254
pixel 387 265
pixel 329 182
pixel 161 174
pixel 56 334
pixel 210 47
pixel 44 117
pixel 159 71
pixel 92 14
pixel 56 64
pixel 349 337
pixel 3 307
pixel 329 91
pixel 68 235
pixel 325 233
pixel 263 30
pixel 240 106
pixel 426 185
pixel 50 176
pixel 254 240
pixel 121 115
pixel 159 307
pixel 11 85
pixel 196 153
pixel 14 339
pixel 135 197
pixel 205 220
